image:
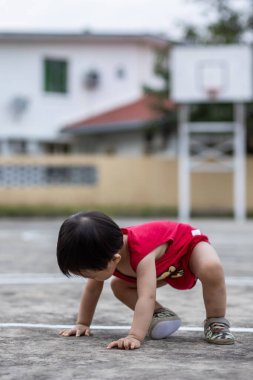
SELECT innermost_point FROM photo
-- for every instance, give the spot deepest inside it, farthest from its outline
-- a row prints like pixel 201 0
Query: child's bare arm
pixel 146 288
pixel 88 303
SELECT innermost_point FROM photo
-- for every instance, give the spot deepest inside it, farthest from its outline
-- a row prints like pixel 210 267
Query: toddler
pixel 139 259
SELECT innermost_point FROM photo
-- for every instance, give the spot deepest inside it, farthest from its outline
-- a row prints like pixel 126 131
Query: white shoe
pixel 164 323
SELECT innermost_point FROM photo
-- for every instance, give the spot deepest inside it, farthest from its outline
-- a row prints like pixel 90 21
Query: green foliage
pixel 226 31
pixel 162 72
pixel 148 211
pixel 167 122
pixel 229 26
pixel 191 34
pixel 212 112
pixel 63 211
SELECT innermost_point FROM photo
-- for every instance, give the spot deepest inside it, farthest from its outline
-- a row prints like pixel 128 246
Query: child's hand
pixel 128 343
pixel 78 330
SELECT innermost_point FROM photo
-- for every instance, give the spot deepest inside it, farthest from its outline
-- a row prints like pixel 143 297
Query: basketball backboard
pixel 222 73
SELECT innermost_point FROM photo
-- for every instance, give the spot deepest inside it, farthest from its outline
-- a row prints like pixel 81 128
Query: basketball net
pixel 212 93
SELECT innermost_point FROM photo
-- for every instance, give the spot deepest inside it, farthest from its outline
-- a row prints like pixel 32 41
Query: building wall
pixel 124 143
pixel 21 75
pixel 126 182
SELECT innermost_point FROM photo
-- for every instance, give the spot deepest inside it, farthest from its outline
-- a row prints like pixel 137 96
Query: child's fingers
pixel 80 332
pixel 67 332
pixel 62 332
pixel 75 331
pixel 123 344
pixel 127 344
pixel 113 344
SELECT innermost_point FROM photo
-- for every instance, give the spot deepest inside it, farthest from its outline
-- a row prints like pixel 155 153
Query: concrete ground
pixel 36 298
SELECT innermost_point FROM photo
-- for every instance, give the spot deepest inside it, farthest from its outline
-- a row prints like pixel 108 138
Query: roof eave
pixel 86 37
pixel 107 127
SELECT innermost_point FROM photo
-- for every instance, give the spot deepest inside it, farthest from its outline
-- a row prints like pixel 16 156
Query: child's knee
pixel 116 285
pixel 120 286
pixel 211 271
pixel 205 263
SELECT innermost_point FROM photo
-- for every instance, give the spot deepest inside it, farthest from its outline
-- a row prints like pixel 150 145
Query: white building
pixel 48 81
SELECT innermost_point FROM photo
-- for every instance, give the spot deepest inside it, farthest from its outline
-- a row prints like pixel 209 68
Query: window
pixel 55 75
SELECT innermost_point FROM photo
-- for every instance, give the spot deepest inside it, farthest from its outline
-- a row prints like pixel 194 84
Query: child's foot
pixel 164 323
pixel 216 331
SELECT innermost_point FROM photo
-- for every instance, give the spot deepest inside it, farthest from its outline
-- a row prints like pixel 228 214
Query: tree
pixel 229 25
pixel 167 120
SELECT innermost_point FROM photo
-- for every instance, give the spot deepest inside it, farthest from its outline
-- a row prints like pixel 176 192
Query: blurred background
pixel 87 114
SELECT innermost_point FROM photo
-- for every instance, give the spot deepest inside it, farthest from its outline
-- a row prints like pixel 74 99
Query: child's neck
pixel 124 250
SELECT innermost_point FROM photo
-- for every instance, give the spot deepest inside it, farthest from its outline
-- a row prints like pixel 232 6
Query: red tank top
pixel 173 265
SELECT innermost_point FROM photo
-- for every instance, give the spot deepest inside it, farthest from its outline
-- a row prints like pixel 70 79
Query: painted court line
pixel 57 278
pixel 101 327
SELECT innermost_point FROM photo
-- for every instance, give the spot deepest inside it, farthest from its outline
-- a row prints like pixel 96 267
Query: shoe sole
pixel 164 329
pixel 221 342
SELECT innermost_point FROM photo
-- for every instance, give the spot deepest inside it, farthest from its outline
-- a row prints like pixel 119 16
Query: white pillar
pixel 184 169
pixel 5 148
pixel 33 147
pixel 239 163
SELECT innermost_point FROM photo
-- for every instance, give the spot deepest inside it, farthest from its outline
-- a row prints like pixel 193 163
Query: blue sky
pixel 152 16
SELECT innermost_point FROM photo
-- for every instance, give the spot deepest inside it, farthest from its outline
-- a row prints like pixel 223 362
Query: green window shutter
pixel 55 75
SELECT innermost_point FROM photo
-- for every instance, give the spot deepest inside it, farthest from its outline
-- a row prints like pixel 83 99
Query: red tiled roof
pixel 141 110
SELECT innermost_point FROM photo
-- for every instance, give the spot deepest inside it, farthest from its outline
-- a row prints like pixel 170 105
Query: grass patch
pixel 115 211
pixel 57 211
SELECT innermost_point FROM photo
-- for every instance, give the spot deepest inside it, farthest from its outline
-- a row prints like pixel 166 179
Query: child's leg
pixel 164 323
pixel 206 265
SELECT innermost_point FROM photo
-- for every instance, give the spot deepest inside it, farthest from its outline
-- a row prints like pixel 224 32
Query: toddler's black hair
pixel 87 240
